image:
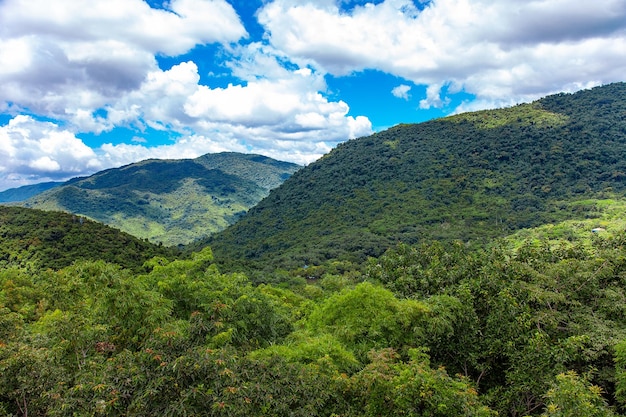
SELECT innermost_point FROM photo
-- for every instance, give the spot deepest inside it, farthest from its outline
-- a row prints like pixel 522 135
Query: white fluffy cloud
pixel 287 108
pixel 401 91
pixel 43 150
pixel 496 49
pixel 273 115
pixel 78 25
pixel 284 117
pixel 36 151
pixel 63 58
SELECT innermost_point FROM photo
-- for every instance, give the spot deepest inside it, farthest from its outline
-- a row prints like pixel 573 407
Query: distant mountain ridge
pixel 172 202
pixel 472 177
pixel 25 192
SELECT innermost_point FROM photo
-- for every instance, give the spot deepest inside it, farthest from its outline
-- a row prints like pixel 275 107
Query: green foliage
pixel 425 269
pixel 29 379
pixel 19 293
pixel 513 316
pixel 388 387
pixel 575 396
pixel 39 239
pixel 502 327
pixel 620 364
pixel 306 348
pixel 222 309
pixel 522 115
pixel 213 382
pixel 11 324
pixel 172 202
pixel 369 317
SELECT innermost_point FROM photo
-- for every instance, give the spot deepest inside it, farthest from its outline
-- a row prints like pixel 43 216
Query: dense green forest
pixel 532 325
pixel 172 202
pixel 484 278
pixel 470 177
pixel 35 239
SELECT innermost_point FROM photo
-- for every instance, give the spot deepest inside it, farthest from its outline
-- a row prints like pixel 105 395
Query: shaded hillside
pixel 170 201
pixel 47 239
pixel 472 177
pixel 22 193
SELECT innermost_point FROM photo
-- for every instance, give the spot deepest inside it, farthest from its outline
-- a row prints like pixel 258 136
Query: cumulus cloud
pixel 496 50
pixel 282 115
pixel 174 31
pixel 92 67
pixel 433 97
pixel 281 110
pixel 61 58
pixel 401 91
pixel 286 105
pixel 32 149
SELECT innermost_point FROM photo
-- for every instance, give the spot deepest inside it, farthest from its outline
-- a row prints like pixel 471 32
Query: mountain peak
pixel 469 177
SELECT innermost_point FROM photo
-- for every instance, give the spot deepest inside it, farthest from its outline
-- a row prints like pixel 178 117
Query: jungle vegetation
pixel 530 326
pixel 479 303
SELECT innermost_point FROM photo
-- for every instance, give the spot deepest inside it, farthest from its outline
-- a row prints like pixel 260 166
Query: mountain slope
pixel 46 239
pixel 25 192
pixel 170 201
pixel 472 177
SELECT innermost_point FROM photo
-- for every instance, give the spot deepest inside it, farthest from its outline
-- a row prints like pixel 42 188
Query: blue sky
pixel 86 86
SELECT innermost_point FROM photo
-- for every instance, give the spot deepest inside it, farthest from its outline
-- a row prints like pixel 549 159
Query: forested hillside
pixel 470 177
pixel 36 239
pixel 172 202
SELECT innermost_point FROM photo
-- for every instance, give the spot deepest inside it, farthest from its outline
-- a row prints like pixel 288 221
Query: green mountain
pixel 473 177
pixel 171 202
pixel 27 191
pixel 47 239
pixel 96 322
